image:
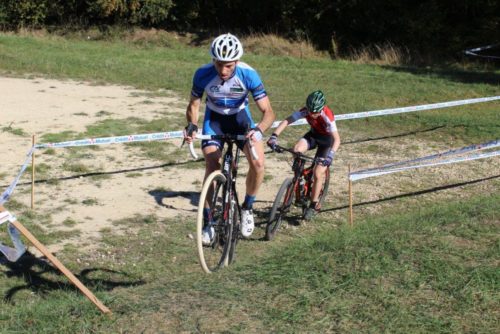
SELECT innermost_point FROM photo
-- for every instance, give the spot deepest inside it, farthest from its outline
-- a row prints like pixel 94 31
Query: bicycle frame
pixel 298 187
pixel 303 176
pixel 230 170
pixel 219 192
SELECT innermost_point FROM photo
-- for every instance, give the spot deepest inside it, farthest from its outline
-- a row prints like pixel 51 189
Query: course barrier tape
pixel 474 51
pixel 358 175
pixel 12 254
pixel 381 112
pixel 8 192
pixel 5 216
pixel 475 147
pixel 114 140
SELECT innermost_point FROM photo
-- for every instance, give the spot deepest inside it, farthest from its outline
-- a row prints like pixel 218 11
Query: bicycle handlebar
pixel 223 137
pixel 280 149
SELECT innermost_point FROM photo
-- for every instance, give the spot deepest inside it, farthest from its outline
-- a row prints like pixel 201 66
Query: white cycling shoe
pixel 247 223
pixel 207 235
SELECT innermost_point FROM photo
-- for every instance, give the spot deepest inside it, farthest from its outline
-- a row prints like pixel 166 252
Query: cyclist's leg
pixel 324 144
pixel 212 154
pixel 254 179
pixel 305 143
pixel 319 178
pixel 301 146
pixel 243 121
pixel 212 149
pixel 255 174
pixel 319 173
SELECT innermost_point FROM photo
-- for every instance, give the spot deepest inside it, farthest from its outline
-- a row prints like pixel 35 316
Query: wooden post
pixel 350 197
pixel 33 174
pixel 59 265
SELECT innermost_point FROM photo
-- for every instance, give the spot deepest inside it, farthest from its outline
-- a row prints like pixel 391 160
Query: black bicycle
pixel 219 190
pixel 295 191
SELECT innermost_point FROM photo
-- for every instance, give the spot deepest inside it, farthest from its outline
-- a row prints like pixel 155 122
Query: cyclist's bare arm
pixel 336 141
pixel 283 125
pixel 268 115
pixel 192 112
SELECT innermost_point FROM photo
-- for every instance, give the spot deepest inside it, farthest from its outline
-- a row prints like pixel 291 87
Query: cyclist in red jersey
pixel 322 135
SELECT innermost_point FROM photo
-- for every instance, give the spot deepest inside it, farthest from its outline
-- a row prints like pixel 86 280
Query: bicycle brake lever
pixel 191 150
pixel 253 152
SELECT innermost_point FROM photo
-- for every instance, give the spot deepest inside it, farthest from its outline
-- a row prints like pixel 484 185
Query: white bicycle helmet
pixel 226 47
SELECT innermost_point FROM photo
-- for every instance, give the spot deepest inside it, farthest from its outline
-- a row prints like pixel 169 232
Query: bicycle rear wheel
pixel 213 256
pixel 281 206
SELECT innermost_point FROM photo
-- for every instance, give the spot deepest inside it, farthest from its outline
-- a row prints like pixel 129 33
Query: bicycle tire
pixel 214 256
pixel 282 202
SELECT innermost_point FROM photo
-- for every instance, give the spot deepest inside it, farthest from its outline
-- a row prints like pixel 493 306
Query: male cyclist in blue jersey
pixel 227 82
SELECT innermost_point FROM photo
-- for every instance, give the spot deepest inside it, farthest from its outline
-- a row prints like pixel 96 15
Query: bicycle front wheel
pixel 281 206
pixel 213 256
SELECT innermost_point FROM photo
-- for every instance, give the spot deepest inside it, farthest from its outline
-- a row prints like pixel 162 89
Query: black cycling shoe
pixel 309 214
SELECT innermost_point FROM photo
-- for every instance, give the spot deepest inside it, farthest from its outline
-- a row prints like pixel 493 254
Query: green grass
pixel 76 167
pixel 427 270
pixel 58 137
pixel 14 131
pixel 90 201
pixel 431 270
pixel 133 175
pixel 100 61
pixel 36 223
pixel 103 113
pixel 41 169
pixel 68 222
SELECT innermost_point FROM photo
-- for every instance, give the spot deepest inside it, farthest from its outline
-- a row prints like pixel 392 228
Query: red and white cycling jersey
pixel 324 124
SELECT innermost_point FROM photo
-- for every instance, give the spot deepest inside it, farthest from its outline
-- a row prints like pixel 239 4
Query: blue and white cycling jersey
pixel 227 101
pixel 231 96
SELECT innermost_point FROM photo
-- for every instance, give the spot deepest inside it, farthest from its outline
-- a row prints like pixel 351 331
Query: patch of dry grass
pixel 274 45
pixel 385 54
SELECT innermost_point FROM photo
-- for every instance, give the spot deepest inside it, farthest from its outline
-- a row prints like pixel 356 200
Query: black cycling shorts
pixel 324 143
pixel 218 124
